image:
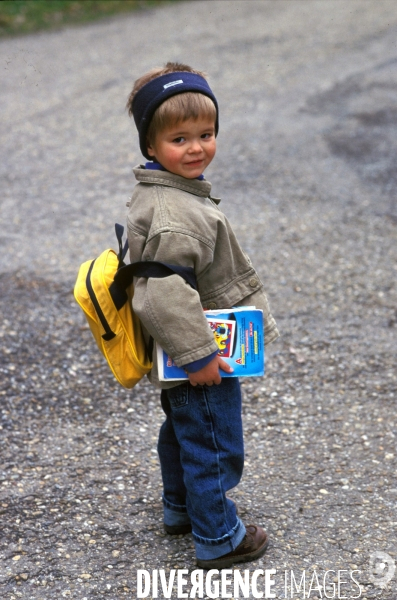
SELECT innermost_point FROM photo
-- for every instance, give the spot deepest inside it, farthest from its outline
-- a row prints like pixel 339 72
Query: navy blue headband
pixel 154 93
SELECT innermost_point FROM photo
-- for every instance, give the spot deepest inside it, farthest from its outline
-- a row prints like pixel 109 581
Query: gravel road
pixel 307 170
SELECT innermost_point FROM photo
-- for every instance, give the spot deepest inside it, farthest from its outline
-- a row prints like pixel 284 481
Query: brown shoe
pixel 178 529
pixel 186 528
pixel 253 546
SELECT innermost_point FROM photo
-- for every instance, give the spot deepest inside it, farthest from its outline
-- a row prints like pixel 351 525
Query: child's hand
pixel 210 374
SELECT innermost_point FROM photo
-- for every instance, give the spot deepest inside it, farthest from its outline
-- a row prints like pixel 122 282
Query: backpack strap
pixel 122 251
pixel 150 268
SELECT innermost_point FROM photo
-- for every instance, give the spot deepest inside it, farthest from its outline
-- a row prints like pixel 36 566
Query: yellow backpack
pixel 104 291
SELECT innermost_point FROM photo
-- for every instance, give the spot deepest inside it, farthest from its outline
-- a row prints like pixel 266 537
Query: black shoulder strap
pixel 152 268
pixel 126 273
pixel 122 251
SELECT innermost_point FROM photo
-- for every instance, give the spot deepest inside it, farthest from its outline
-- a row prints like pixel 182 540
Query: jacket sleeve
pixel 259 300
pixel 169 308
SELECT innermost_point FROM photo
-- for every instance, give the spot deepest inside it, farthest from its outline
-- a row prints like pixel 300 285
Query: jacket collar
pixel 193 186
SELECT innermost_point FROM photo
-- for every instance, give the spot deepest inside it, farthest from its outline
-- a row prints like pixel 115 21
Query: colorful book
pixel 238 333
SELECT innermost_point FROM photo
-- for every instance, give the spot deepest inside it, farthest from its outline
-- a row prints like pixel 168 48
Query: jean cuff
pixel 175 514
pixel 206 548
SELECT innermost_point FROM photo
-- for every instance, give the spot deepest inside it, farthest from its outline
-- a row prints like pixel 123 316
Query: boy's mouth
pixel 195 163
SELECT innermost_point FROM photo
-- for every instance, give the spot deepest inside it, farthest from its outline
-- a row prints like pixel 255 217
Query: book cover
pixel 238 333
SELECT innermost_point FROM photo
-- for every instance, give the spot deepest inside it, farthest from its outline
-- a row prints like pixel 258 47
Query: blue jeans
pixel 201 454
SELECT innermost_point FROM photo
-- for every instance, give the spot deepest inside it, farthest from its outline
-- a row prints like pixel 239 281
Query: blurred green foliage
pixel 26 16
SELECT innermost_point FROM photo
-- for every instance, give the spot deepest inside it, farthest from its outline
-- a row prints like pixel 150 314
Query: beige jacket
pixel 174 220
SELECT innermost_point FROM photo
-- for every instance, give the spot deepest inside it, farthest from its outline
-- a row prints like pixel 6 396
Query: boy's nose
pixel 195 146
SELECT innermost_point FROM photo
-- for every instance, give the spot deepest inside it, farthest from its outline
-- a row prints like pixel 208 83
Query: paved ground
pixel 307 171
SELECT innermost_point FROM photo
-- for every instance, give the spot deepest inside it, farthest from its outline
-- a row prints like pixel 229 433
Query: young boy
pixel 173 219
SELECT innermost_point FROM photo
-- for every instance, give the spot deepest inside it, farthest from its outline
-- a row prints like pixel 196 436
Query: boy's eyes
pixel 180 139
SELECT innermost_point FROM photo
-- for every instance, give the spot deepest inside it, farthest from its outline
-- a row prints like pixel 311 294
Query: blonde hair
pixel 178 108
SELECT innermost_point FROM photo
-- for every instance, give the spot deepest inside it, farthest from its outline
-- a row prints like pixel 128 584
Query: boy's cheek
pixel 174 154
pixel 173 157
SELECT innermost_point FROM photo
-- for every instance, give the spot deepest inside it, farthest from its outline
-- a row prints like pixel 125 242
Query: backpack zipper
pixel 109 334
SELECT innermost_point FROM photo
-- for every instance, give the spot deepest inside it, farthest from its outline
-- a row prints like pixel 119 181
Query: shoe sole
pixel 178 529
pixel 223 563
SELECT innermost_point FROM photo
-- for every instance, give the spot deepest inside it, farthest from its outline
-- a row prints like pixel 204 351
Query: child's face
pixel 187 148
